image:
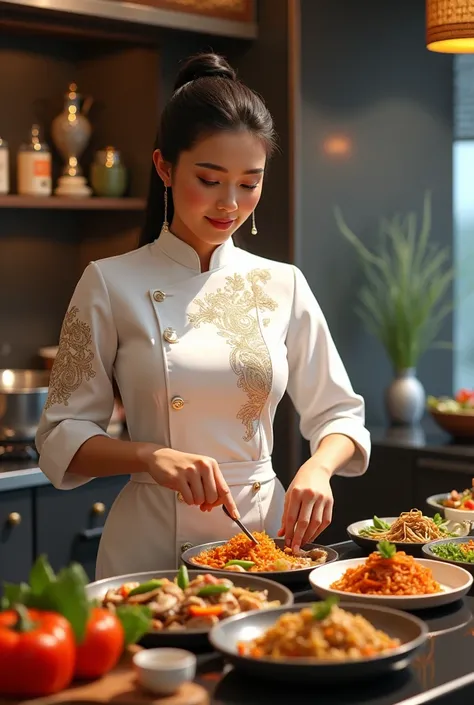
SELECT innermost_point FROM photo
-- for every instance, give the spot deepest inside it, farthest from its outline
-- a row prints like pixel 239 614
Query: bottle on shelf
pixel 34 166
pixel 4 167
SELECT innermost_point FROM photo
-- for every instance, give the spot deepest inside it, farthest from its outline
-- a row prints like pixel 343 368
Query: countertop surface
pixel 443 673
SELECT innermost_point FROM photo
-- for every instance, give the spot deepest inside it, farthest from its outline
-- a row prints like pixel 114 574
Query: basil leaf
pixel 321 610
pixel 41 575
pixel 67 595
pixel 136 621
pixel 386 549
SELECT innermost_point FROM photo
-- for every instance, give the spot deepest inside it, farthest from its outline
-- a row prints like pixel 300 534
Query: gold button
pixel 159 296
pixel 180 497
pixel 177 403
pixel 186 547
pixel 170 335
pixel 256 486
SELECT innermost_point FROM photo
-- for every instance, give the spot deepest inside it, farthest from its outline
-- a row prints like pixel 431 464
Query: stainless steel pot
pixel 23 394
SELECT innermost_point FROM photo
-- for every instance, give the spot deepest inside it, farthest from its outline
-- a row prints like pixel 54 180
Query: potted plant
pixel 404 300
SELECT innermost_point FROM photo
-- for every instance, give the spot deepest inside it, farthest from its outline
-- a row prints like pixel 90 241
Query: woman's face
pixel 215 186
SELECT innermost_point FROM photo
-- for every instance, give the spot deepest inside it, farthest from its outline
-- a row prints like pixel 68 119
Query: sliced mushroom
pixel 194 600
pixel 173 589
pixel 114 597
pixel 163 604
pixel 202 622
pixel 249 602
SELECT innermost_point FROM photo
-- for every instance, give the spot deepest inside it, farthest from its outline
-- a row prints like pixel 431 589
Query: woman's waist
pixel 242 472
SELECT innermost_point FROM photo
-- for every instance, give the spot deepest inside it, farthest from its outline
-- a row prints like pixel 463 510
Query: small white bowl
pixel 163 671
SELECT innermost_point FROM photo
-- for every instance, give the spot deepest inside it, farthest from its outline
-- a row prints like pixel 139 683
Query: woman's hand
pixel 308 505
pixel 197 477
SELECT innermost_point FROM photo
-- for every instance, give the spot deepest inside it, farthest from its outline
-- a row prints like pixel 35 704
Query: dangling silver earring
pixel 165 219
pixel 254 230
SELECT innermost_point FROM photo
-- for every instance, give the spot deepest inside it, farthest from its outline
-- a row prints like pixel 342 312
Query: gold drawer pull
pixel 98 508
pixel 14 518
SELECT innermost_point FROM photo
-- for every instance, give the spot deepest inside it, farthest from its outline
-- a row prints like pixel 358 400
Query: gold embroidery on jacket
pixel 230 310
pixel 73 363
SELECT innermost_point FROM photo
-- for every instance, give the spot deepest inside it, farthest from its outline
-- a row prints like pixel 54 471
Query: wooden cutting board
pixel 119 686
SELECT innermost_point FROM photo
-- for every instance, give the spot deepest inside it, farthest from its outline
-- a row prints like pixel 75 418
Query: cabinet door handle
pixel 14 518
pixel 98 508
pixel 89 534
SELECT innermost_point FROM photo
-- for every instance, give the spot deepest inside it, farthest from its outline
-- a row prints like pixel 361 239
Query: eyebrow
pixel 216 167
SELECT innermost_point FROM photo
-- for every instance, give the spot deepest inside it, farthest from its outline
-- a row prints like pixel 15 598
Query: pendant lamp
pixel 450 26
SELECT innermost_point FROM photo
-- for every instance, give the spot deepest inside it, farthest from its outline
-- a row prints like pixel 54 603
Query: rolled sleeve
pixel 318 382
pixel 80 397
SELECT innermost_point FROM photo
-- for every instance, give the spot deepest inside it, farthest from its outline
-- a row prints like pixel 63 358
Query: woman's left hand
pixel 308 505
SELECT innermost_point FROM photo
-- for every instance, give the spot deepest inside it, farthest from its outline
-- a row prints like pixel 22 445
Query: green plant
pixel 407 279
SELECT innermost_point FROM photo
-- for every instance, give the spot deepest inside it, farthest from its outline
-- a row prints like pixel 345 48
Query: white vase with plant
pixel 404 300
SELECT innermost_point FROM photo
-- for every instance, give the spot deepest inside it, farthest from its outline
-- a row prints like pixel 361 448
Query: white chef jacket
pixel 201 360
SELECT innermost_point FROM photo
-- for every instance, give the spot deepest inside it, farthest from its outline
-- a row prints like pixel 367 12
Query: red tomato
pixel 101 649
pixel 469 504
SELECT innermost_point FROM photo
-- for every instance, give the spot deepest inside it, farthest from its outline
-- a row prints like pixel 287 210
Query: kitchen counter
pixel 442 674
pixel 426 438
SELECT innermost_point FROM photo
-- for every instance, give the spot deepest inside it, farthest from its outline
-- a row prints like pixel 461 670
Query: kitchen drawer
pixel 69 522
pixel 16 535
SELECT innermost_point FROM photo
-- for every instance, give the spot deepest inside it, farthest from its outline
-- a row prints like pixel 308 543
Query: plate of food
pixel 409 531
pixel 184 605
pixel 320 641
pixel 454 415
pixel 269 558
pixel 458 551
pixel 393 579
pixel 455 505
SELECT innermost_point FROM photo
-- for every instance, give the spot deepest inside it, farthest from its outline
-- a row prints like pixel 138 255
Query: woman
pixel 202 339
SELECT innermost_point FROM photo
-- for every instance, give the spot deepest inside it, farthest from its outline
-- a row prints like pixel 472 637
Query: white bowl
pixel 449 512
pixel 163 671
pixel 455 582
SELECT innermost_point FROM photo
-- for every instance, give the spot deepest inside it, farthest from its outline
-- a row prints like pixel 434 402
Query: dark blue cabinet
pixel 16 535
pixel 68 524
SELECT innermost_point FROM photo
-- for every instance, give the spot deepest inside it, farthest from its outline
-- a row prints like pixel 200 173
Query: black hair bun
pixel 202 65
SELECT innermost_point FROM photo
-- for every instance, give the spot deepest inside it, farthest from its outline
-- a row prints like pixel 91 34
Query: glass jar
pixel 4 167
pixel 34 166
pixel 108 175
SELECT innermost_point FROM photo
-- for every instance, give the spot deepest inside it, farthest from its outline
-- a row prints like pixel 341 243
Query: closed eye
pixel 249 186
pixel 206 182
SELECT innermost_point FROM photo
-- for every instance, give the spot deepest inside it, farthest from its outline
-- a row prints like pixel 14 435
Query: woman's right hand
pixel 197 477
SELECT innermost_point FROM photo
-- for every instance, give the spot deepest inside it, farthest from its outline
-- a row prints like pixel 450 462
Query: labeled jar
pixel 34 166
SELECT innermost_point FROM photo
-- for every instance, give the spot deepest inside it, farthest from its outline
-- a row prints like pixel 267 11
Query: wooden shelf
pixel 73 204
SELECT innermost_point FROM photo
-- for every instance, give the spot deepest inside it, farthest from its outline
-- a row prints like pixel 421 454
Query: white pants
pixel 148 527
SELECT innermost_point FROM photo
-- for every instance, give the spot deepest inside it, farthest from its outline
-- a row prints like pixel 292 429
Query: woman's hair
pixel 207 98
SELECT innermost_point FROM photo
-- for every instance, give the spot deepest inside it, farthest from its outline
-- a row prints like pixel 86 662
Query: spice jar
pixel 34 166
pixel 108 175
pixel 4 167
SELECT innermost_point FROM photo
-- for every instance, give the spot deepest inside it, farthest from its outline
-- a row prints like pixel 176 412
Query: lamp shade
pixel 450 26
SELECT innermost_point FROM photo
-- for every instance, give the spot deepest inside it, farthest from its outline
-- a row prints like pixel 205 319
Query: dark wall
pixel 366 75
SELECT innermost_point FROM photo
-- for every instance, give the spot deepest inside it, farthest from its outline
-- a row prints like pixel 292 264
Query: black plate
pixel 411 631
pixel 191 638
pixel 284 577
pixel 462 564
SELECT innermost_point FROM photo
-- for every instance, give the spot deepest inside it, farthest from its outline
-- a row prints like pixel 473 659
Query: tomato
pixel 37 652
pixel 102 647
pixel 469 504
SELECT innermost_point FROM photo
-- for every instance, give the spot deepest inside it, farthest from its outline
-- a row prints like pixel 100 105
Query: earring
pixel 254 230
pixel 165 219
